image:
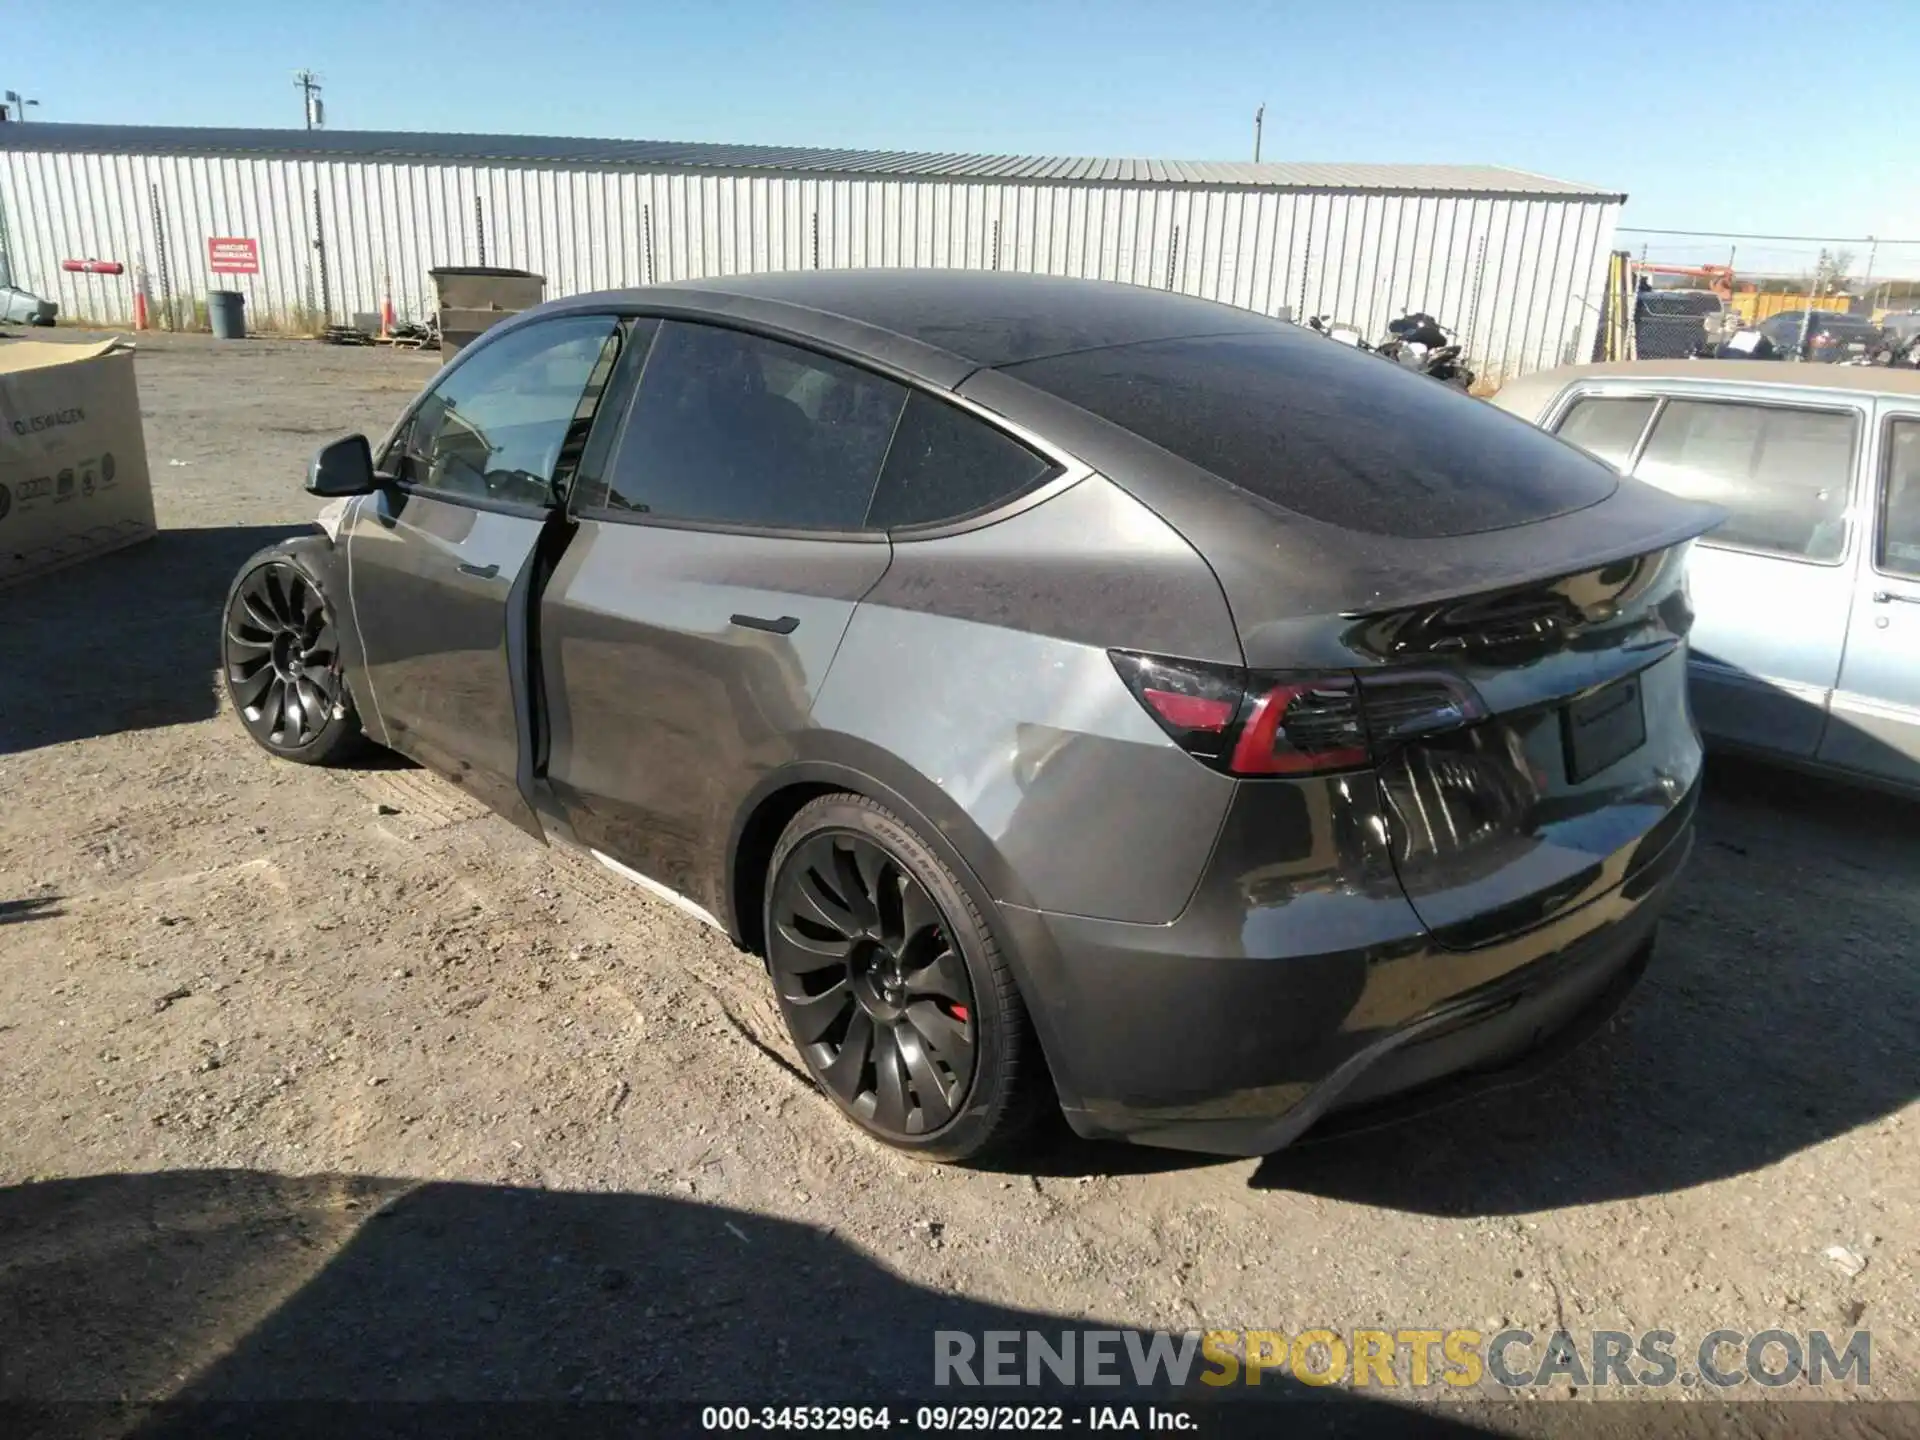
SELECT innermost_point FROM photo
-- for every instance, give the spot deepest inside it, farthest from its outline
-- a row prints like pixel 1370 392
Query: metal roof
pixel 677 155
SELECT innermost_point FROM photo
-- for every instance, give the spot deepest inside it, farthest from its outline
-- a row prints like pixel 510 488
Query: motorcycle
pixel 1414 342
pixel 1419 342
pixel 1891 351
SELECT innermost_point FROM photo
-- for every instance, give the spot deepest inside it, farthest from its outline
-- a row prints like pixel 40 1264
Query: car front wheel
pixel 280 656
pixel 892 985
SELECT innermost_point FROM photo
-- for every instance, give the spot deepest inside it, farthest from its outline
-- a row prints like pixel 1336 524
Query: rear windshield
pixel 1329 432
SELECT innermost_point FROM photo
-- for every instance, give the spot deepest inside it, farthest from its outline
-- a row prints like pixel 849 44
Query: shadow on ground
pixel 1775 1017
pixel 126 641
pixel 41 907
pixel 254 1287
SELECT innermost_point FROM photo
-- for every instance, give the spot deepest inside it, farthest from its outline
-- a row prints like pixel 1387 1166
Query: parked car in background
pixel 1676 324
pixel 1900 325
pixel 1069 689
pixel 1807 640
pixel 23 307
pixel 1829 335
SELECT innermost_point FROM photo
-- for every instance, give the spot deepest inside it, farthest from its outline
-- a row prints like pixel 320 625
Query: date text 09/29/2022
pixel 948 1419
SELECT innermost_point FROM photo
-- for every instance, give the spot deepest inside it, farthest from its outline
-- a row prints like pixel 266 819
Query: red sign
pixel 230 255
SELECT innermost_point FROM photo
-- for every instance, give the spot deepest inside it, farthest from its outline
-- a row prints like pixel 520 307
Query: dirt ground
pixel 327 1084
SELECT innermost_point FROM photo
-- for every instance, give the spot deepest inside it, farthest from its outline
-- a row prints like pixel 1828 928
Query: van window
pixel 1606 428
pixel 1783 475
pixel 1899 552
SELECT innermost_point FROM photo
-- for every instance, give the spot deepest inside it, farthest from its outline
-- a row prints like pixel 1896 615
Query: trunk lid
pixel 1584 766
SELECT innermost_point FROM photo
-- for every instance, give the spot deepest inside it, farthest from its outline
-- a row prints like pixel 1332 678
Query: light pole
pixel 308 84
pixel 1259 117
pixel 17 106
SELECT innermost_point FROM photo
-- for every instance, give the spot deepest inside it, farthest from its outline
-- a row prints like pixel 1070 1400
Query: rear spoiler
pixel 1320 618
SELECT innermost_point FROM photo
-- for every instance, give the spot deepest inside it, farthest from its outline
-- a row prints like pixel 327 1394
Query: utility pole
pixel 308 84
pixel 1259 116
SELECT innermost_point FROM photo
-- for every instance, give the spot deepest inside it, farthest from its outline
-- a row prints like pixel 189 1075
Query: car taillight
pixel 1401 705
pixel 1198 705
pixel 1251 723
pixel 1302 727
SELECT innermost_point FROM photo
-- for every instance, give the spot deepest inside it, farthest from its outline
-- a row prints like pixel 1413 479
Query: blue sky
pixel 1646 98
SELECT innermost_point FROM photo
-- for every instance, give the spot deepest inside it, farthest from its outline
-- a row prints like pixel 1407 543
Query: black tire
pixel 281 663
pixel 893 987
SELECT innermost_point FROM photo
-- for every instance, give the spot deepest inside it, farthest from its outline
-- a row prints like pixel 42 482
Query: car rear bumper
pixel 1202 1037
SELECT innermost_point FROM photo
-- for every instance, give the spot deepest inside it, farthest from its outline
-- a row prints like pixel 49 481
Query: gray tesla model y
pixel 1074 691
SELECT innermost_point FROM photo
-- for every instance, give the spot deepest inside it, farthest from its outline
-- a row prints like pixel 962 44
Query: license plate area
pixel 1599 729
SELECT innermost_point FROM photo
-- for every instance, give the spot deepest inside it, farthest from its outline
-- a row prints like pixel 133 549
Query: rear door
pixel 434 555
pixel 688 628
pixel 1772 585
pixel 1874 726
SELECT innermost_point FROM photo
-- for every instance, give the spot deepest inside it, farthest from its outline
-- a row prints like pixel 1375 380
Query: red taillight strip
pixel 1259 749
pixel 1295 724
pixel 1191 712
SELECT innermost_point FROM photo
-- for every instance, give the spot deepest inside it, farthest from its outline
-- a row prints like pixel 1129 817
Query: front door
pixel 1875 723
pixel 692 620
pixel 434 557
pixel 1773 584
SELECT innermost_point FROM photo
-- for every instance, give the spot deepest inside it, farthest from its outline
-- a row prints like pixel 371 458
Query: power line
pixel 1737 235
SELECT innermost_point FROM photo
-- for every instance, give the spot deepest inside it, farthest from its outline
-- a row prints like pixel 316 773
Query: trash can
pixel 227 313
pixel 474 298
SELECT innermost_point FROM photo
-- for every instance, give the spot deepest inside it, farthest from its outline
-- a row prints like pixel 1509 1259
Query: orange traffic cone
pixel 386 316
pixel 140 309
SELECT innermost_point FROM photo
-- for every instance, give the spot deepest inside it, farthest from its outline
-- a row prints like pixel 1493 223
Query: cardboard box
pixel 73 459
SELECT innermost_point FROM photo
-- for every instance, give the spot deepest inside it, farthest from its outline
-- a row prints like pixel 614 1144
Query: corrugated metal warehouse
pixel 1513 262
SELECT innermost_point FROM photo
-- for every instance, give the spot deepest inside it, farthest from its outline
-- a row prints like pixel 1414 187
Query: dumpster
pixel 474 298
pixel 227 314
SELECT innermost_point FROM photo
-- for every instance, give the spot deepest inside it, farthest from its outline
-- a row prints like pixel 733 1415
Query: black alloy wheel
pixel 282 663
pixel 873 987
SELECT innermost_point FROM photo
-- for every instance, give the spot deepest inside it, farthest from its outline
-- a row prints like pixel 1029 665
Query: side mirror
pixel 344 467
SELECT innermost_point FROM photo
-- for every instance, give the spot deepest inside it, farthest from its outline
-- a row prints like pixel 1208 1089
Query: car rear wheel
pixel 280 654
pixel 892 985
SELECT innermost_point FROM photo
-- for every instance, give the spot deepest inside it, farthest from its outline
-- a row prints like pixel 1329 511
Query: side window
pixel 617 373
pixel 1783 475
pixel 734 429
pixel 945 464
pixel 1899 551
pixel 512 419
pixel 1608 429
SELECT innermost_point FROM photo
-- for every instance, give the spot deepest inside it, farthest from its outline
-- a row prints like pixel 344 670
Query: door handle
pixel 1883 597
pixel 484 572
pixel 785 625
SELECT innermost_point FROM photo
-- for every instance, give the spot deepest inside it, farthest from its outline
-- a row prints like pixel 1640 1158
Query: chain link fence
pixel 1678 294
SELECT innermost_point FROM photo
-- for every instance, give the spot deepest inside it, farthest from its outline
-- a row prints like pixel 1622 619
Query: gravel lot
pixel 329 1084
